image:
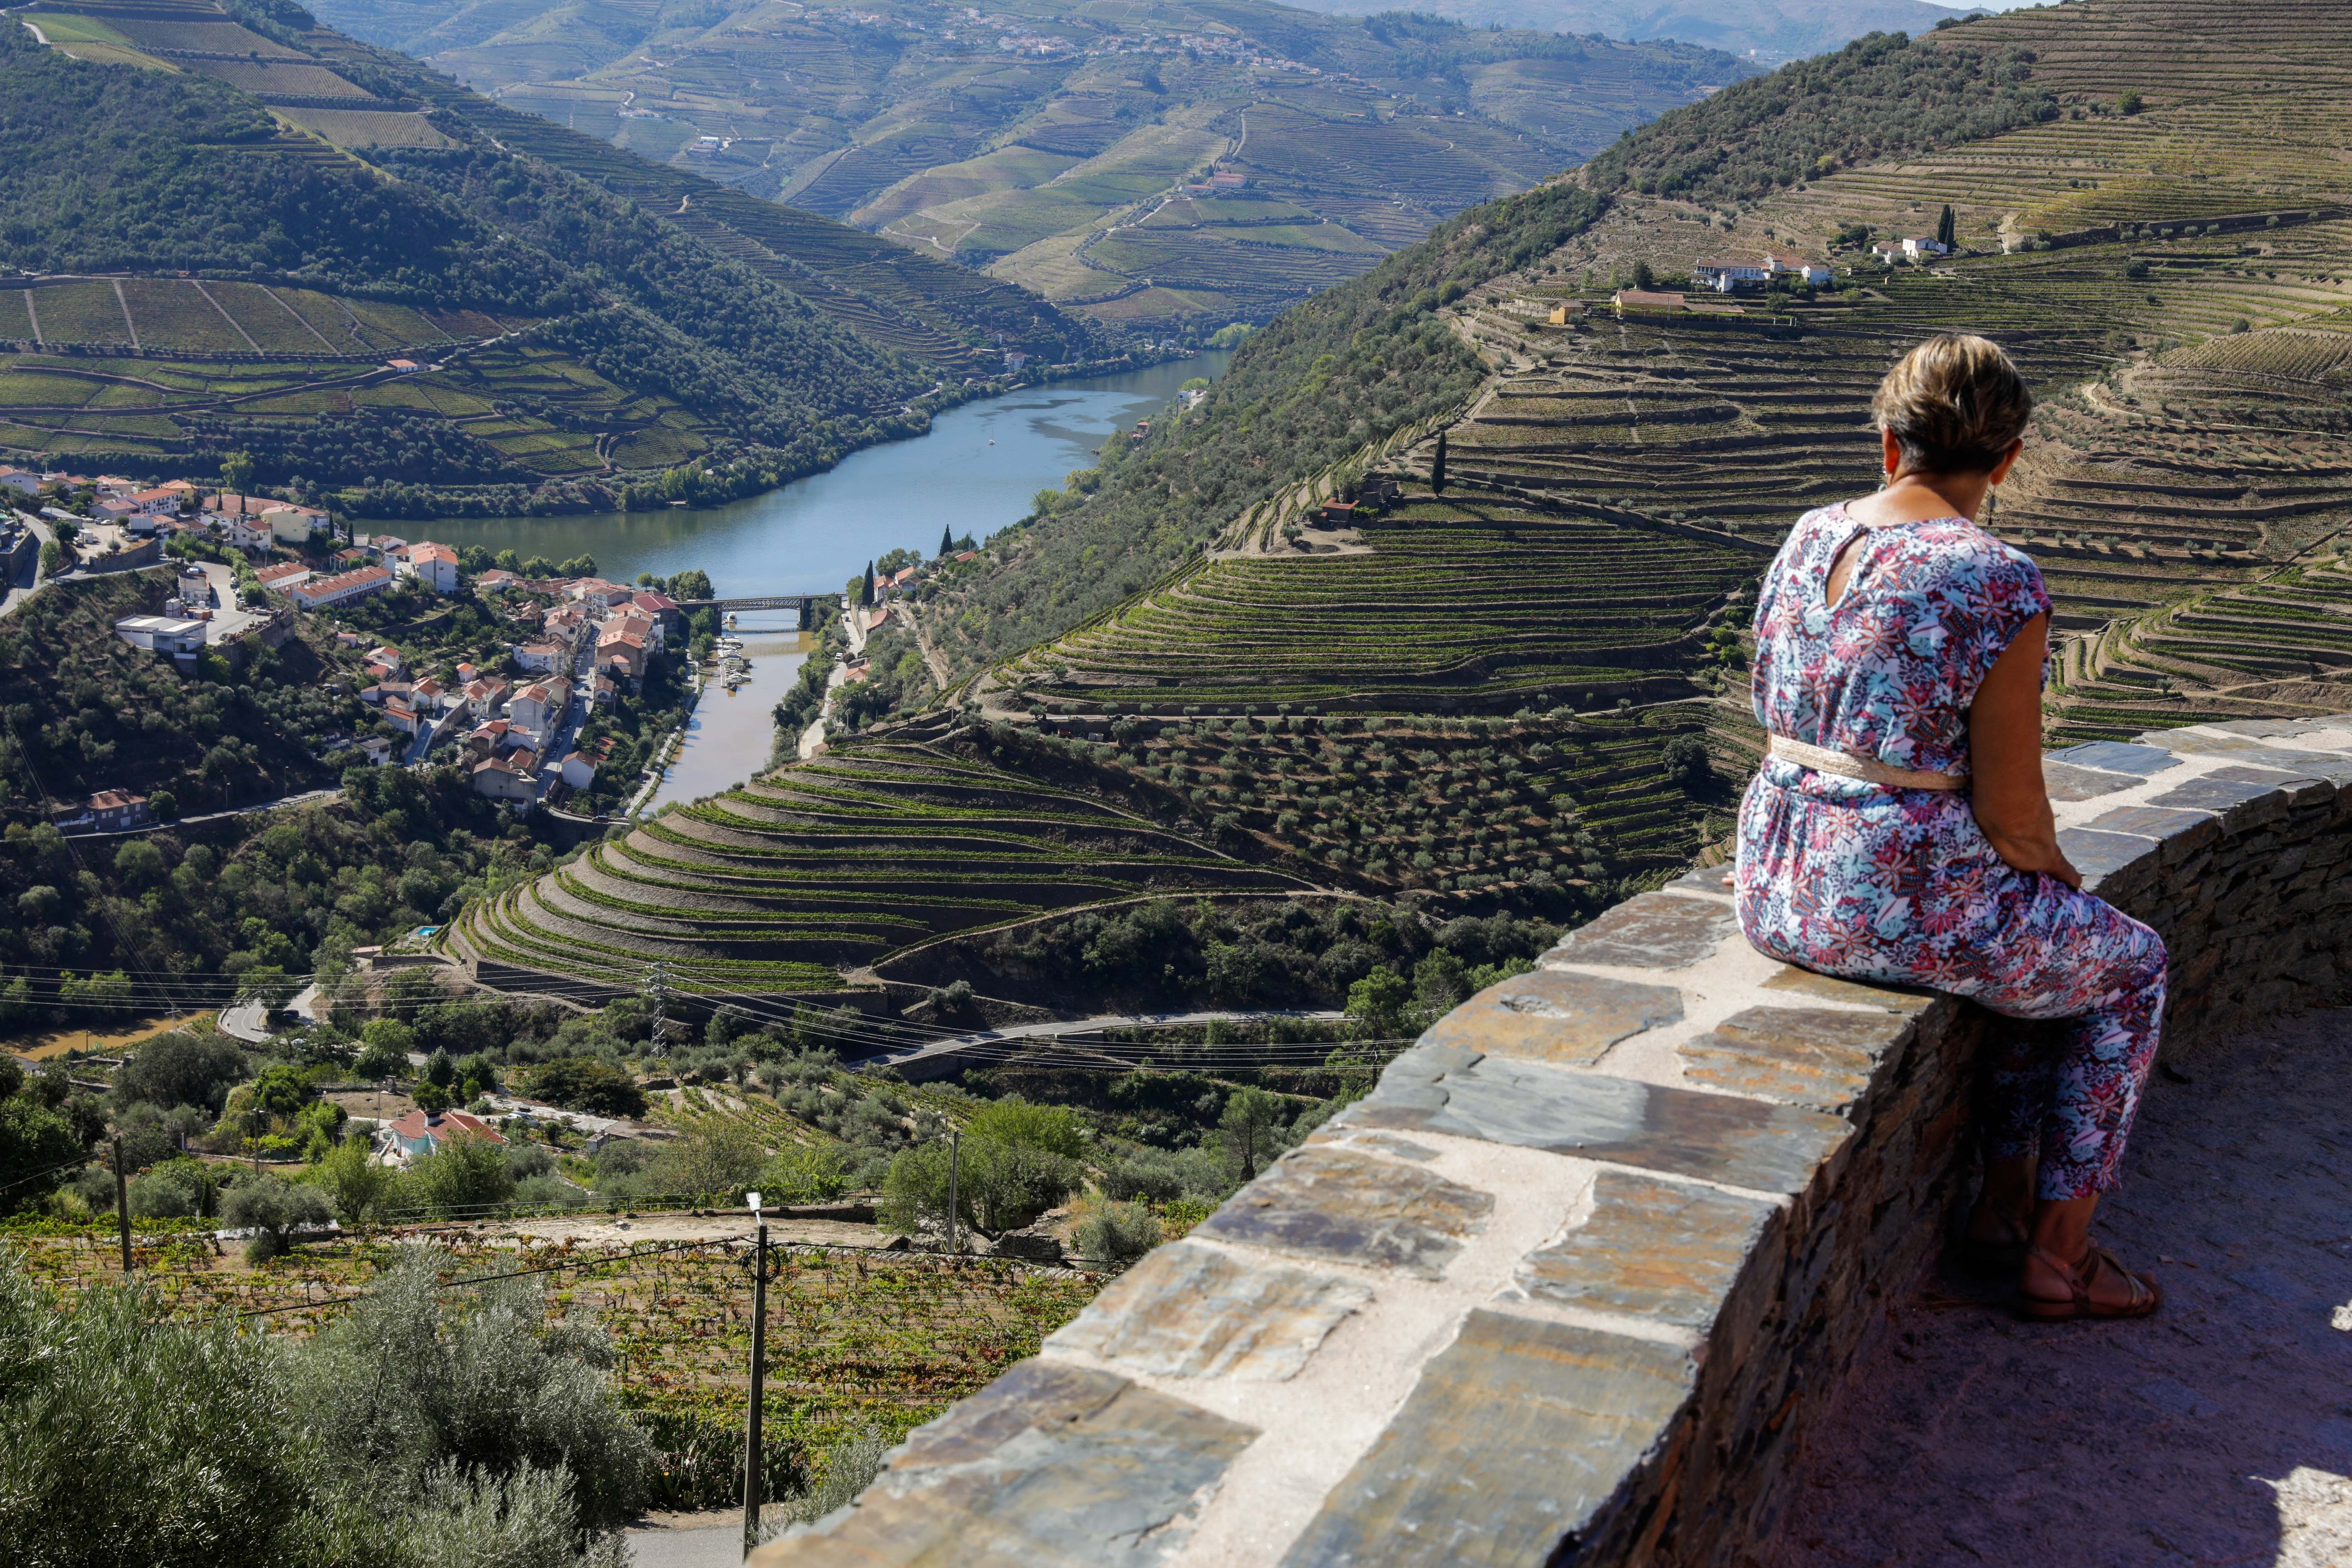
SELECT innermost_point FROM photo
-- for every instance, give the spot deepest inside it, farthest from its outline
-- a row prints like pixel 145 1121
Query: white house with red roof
pixel 341 588
pixel 421 1133
pixel 435 565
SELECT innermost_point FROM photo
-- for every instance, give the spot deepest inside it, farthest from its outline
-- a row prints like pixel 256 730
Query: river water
pixel 974 472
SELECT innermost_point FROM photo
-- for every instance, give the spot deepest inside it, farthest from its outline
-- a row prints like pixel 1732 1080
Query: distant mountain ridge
pixel 1074 151
pixel 1772 30
pixel 571 322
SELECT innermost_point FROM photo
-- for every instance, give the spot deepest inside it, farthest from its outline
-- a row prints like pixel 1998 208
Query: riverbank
pixel 713 479
pixel 729 737
pixel 977 470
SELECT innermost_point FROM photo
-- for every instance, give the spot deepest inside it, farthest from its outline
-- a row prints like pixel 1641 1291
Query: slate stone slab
pixel 2224 788
pixel 1326 1202
pixel 2336 767
pixel 1906 999
pixel 1717 1137
pixel 1806 1056
pixel 1666 1250
pixel 1515 1438
pixel 2064 781
pixel 1705 879
pixel 2198 740
pixel 1377 1143
pixel 1187 1310
pixel 2117 757
pixel 2098 854
pixel 1556 1015
pixel 1046 1466
pixel 1655 931
pixel 2184 828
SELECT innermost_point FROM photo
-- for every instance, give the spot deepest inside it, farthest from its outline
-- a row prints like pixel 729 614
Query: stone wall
pixel 1570 1284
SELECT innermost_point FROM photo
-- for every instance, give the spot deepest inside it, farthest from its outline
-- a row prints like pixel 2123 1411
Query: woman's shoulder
pixel 1958 550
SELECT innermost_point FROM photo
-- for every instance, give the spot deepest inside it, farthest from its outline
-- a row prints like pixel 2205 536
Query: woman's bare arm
pixel 2011 801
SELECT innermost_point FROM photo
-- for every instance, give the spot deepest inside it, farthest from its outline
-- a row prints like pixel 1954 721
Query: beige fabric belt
pixel 1870 770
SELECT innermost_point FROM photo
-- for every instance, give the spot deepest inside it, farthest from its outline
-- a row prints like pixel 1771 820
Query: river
pixel 974 472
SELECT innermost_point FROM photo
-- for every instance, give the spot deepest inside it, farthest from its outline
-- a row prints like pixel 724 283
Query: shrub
pixel 803 1174
pixel 849 1468
pixel 1054 1128
pixel 1117 1233
pixel 182 1068
pixel 125 1438
pixel 1162 1176
pixel 355 1184
pixel 999 1187
pixel 479 1377
pixel 459 1175
pixel 273 1208
pixel 720 1157
pixel 585 1083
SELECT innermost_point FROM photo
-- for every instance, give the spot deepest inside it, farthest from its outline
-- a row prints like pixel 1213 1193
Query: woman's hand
pixel 2006 790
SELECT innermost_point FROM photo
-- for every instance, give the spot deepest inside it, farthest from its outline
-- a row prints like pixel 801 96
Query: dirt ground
pixel 2218 1432
pixel 367 1101
pixel 58 1042
pixel 611 1230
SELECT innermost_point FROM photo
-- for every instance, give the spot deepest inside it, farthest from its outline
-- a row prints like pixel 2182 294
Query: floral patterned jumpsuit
pixel 1875 883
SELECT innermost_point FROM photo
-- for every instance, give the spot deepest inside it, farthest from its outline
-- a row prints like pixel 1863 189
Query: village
pixel 564 649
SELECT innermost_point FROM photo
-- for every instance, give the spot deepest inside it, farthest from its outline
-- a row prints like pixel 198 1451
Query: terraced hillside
pixel 266 215
pixel 830 868
pixel 1053 147
pixel 1518 687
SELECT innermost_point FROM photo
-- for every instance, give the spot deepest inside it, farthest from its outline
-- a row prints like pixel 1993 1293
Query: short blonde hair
pixel 1955 403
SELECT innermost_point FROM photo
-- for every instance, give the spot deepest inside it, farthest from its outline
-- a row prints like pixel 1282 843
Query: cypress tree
pixel 1947 227
pixel 865 585
pixel 947 541
pixel 1437 465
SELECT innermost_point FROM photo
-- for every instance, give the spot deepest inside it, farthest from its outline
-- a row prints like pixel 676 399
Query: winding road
pixel 937 1058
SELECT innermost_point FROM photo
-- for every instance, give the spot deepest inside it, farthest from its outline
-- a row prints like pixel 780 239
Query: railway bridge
pixel 799 602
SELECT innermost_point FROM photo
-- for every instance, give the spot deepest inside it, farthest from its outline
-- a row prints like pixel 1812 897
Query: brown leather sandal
pixel 2079 1275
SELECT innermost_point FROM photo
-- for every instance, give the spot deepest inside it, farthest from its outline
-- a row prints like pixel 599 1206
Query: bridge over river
pixel 799 602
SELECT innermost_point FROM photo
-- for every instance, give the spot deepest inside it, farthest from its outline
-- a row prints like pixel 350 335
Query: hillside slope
pixel 583 320
pixel 1769 31
pixel 1053 147
pixel 1524 688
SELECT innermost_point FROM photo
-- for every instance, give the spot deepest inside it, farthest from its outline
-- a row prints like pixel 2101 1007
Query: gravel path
pixel 2218 1432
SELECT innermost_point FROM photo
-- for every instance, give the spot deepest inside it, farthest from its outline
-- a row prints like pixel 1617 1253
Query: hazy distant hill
pixel 1773 30
pixel 1048 145
pixel 1524 689
pixel 233 224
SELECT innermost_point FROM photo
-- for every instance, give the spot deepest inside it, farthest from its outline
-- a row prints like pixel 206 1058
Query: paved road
pixel 247 1021
pixel 307 797
pixel 937 1057
pixel 2215 1432
pixel 27 581
pixel 687 1543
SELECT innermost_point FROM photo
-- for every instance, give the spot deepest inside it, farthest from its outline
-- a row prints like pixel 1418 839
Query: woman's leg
pixel 2099 1072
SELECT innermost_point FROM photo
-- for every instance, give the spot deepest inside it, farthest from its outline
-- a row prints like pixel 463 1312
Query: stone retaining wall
pixel 1570 1284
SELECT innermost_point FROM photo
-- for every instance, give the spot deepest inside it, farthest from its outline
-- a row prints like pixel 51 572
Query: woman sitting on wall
pixel 1900 830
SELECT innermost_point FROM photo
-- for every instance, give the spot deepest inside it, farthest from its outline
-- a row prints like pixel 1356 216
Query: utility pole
pixel 121 1204
pixel 955 1154
pixel 751 1445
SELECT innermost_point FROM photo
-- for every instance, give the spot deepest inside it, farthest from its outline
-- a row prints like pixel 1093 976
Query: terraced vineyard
pixel 832 867
pixel 1527 683
pixel 1043 144
pixel 565 346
